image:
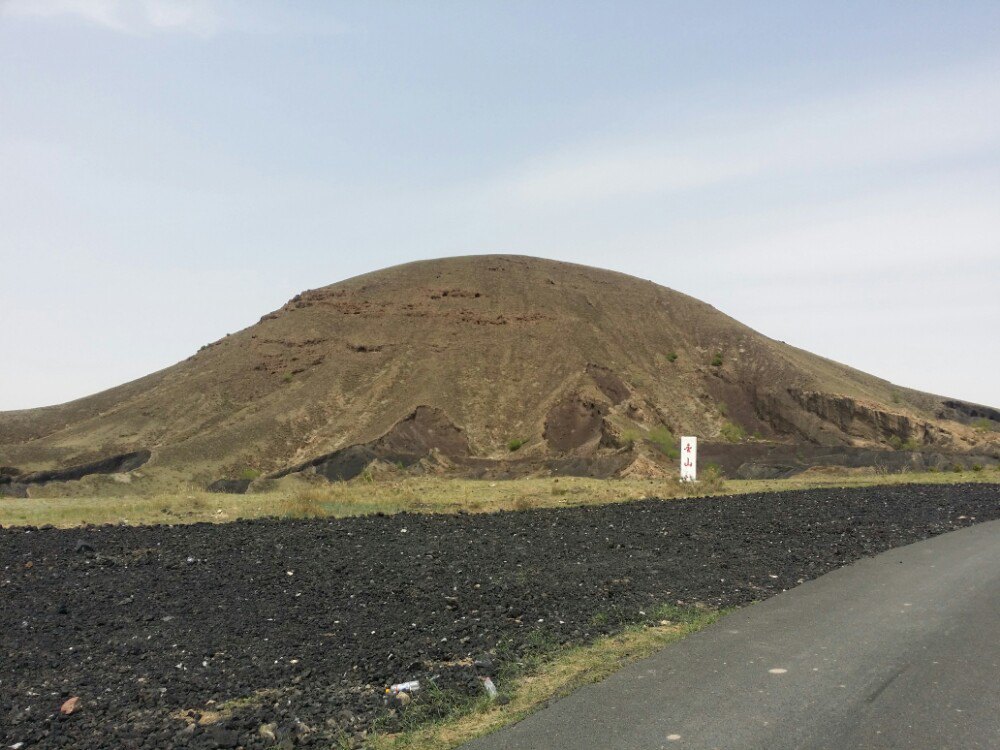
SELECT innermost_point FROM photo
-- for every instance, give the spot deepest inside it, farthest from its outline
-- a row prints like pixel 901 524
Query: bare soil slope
pixel 446 362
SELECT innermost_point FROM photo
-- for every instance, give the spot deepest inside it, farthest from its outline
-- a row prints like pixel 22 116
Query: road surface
pixel 897 651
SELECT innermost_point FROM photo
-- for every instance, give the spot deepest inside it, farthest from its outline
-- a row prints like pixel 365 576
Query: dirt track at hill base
pixel 314 618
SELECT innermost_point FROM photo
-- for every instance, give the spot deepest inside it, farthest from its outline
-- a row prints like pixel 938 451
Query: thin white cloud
pixel 927 223
pixel 137 17
pixel 201 18
pixel 949 114
pixel 624 171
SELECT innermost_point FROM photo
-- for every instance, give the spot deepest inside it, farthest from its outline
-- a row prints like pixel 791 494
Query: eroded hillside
pixel 449 364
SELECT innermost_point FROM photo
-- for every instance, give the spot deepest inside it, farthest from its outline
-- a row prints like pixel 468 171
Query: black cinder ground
pixel 298 626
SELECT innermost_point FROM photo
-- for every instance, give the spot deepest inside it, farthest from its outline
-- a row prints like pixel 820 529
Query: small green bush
pixel 672 357
pixel 983 425
pixel 957 468
pixel 515 444
pixel 664 441
pixel 711 478
pixel 629 439
pixel 977 467
pixel 897 443
pixel 732 432
pixel 717 360
pixel 250 474
pixel 286 378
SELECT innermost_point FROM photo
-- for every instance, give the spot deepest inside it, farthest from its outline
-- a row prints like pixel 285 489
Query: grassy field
pixel 104 501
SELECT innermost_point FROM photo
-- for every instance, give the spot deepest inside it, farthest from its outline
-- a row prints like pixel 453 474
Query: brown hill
pixel 451 362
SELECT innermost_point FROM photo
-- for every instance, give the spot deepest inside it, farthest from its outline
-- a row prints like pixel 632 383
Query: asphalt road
pixel 897 651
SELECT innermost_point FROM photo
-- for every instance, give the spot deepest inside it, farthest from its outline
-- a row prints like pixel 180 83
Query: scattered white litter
pixel 777 670
pixel 489 687
pixel 404 687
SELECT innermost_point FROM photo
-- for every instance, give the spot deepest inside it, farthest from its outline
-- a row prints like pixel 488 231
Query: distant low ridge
pixel 493 365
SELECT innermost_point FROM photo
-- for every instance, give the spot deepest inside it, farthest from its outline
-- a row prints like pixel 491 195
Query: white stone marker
pixel 689 459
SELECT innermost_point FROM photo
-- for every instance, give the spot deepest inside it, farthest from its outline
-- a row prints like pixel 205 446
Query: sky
pixel 170 170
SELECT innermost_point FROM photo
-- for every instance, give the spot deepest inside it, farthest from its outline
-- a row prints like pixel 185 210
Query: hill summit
pixel 491 365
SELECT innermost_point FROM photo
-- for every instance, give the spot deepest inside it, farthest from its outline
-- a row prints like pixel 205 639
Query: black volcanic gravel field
pixel 317 617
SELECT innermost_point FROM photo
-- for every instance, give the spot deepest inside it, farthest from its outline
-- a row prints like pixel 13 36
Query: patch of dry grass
pixel 213 712
pixel 310 502
pixel 295 497
pixel 841 477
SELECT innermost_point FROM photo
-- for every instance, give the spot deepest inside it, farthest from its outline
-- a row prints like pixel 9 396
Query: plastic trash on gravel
pixel 403 687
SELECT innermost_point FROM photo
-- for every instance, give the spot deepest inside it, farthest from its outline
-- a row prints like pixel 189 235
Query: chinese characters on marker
pixel 689 459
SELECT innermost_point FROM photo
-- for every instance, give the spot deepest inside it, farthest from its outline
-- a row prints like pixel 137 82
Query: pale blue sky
pixel 170 170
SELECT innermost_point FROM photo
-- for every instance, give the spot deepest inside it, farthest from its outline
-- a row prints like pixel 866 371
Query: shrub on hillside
pixel 733 433
pixel 982 424
pixel 664 441
pixel 629 438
